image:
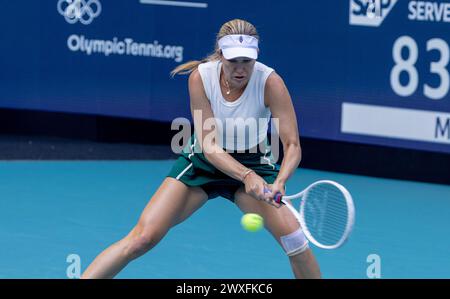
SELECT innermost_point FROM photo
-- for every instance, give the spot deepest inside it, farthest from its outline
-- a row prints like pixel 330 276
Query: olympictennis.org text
pixel 225 288
pixel 127 46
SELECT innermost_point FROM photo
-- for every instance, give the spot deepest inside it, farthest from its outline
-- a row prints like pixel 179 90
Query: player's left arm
pixel 278 99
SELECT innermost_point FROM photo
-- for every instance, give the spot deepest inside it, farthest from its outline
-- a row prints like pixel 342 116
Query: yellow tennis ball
pixel 252 222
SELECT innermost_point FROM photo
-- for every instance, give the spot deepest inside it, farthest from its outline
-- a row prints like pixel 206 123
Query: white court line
pixel 175 3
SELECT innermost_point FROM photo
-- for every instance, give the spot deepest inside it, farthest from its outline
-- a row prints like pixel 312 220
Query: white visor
pixel 239 45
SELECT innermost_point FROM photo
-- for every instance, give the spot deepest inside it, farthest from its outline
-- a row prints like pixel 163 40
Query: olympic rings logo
pixel 79 10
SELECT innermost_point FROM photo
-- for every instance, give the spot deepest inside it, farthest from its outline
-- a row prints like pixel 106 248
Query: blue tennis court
pixel 50 210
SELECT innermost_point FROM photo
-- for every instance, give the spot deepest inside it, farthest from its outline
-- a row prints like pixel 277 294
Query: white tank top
pixel 242 124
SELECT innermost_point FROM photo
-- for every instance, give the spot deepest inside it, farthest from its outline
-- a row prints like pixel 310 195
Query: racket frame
pixel 300 215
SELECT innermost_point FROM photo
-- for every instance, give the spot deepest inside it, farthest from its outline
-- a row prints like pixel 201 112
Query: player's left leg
pixel 284 227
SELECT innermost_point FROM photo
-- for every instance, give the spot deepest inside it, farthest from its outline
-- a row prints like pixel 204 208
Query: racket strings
pixel 325 213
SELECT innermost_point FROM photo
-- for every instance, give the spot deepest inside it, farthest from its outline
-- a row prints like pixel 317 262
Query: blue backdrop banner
pixel 368 71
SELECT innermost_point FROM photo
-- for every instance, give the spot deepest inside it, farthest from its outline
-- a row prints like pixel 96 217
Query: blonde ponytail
pixel 190 66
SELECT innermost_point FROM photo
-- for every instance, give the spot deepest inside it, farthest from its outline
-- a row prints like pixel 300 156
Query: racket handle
pixel 277 196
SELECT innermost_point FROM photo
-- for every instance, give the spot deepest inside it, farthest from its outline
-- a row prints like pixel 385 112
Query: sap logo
pixel 370 12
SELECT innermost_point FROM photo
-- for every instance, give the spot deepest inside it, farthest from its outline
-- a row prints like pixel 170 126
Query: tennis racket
pixel 326 213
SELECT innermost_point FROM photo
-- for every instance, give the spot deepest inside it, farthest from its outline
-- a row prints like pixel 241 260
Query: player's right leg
pixel 172 203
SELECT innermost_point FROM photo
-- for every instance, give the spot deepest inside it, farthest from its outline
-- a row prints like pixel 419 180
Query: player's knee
pixel 140 241
pixel 295 243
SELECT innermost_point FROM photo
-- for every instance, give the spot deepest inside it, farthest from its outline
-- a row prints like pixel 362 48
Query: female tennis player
pixel 228 84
